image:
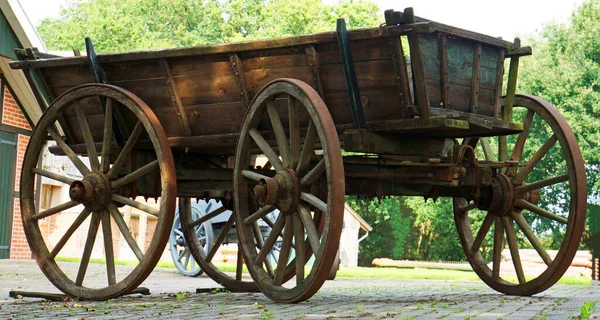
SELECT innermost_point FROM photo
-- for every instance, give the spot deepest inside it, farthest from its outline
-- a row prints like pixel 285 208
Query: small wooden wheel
pixel 205 257
pixel 529 199
pixel 98 190
pixel 180 247
pixel 307 187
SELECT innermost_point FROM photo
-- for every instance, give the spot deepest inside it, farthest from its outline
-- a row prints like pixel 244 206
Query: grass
pixel 362 272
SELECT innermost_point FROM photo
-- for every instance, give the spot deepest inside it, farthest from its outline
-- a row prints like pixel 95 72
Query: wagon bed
pixel 200 94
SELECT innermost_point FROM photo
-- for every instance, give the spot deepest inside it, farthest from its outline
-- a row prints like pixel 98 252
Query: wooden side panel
pixel 460 73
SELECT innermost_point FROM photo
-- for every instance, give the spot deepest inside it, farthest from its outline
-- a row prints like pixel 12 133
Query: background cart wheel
pixel 204 257
pixel 529 198
pixel 306 187
pixel 180 249
pixel 98 189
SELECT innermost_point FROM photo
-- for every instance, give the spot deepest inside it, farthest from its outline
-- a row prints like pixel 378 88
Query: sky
pixel 506 18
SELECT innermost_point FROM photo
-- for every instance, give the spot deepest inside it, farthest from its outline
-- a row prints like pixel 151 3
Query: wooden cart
pixel 428 119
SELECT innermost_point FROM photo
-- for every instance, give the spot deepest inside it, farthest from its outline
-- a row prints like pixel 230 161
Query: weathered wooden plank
pixel 256 79
pixel 475 78
pixel 372 74
pixel 238 72
pixel 215 118
pixel 511 86
pixel 175 100
pixel 297 41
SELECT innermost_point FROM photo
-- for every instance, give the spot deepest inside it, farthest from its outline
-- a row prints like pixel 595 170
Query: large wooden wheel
pixel 537 200
pixel 233 282
pixel 307 187
pixel 181 253
pixel 97 191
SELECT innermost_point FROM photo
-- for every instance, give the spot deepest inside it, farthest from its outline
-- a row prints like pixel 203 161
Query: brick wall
pixel 11 114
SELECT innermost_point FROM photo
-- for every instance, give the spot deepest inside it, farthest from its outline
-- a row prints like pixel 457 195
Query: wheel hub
pixel 282 191
pixel 503 195
pixel 93 191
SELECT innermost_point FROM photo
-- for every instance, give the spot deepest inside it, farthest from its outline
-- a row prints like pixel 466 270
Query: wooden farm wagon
pixel 427 119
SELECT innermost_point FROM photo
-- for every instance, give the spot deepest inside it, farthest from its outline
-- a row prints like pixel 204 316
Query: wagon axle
pixel 93 191
pixel 282 191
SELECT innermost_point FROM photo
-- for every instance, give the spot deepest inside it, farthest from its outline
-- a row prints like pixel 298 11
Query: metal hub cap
pixel 93 191
pixel 282 191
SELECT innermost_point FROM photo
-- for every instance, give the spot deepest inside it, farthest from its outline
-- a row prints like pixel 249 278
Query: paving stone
pixel 344 298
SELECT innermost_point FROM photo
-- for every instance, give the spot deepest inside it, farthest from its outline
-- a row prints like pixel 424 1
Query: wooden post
pixel 444 69
pixel 175 99
pixel 511 87
pixel 238 72
pixel 402 81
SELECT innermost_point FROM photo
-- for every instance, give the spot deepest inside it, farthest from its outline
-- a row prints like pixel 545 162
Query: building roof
pixel 363 224
pixel 17 31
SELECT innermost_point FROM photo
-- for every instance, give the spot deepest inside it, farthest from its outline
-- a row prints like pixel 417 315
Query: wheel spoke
pixel 108 248
pixel 53 176
pixel 107 138
pixel 239 268
pixel 187 259
pixel 313 200
pixel 220 239
pixel 282 144
pixel 55 210
pixel 307 148
pixel 284 254
pixel 87 250
pixel 254 176
pixel 132 203
pixel 271 239
pixel 116 168
pixel 294 132
pixel 311 228
pixel 209 216
pixel 87 137
pixel 266 149
pixel 83 169
pixel 498 247
pixel 526 170
pixel 313 174
pixel 537 210
pixel 520 143
pixel 61 243
pixel 502 148
pixel 485 227
pixel 541 184
pixel 263 211
pixel 524 226
pixel 182 254
pixel 300 251
pixel 259 244
pixel 487 149
pixel 135 175
pixel 468 207
pixel 114 212
pixel 513 247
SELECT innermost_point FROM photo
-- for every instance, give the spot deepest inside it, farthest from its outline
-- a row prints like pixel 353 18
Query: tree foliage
pixel 565 70
pixel 118 26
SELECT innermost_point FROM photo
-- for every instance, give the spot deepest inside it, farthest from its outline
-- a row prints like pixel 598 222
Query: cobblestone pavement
pixel 173 297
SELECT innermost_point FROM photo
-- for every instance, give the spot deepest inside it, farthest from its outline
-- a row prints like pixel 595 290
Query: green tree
pixel 117 26
pixel 565 70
